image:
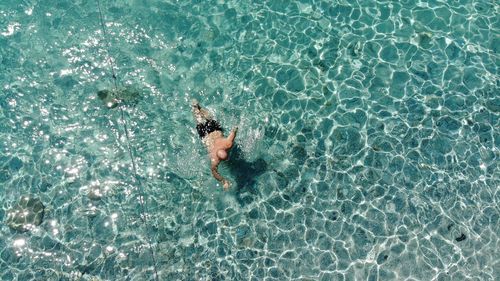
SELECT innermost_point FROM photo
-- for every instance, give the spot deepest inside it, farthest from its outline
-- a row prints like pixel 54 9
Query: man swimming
pixel 211 134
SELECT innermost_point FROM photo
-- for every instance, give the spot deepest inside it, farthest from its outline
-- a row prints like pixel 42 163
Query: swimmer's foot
pixel 195 104
pixel 226 185
pixel 200 114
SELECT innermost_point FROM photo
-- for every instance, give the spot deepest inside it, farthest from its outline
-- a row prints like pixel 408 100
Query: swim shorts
pixel 208 127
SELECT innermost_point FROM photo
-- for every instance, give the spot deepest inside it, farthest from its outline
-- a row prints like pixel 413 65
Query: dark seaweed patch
pixel 461 238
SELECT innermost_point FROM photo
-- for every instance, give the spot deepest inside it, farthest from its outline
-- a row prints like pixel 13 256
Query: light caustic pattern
pixel 367 148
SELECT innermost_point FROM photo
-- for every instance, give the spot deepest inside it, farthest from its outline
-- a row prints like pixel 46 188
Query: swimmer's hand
pixel 232 135
pixel 226 184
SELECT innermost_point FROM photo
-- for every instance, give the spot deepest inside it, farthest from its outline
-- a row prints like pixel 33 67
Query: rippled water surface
pixel 368 140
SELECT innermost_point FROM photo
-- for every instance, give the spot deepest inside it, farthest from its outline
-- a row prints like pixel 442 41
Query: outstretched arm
pixel 217 176
pixel 215 173
pixel 232 135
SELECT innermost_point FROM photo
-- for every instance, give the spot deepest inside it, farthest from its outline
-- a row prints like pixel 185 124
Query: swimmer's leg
pixel 200 114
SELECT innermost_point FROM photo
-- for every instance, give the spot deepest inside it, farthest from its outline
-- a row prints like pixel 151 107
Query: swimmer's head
pixel 222 154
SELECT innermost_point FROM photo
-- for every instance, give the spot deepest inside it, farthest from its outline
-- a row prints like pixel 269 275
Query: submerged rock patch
pixel 115 97
pixel 25 214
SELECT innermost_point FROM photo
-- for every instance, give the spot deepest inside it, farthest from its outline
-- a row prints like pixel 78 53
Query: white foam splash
pixel 11 29
pixel 29 11
pixel 249 140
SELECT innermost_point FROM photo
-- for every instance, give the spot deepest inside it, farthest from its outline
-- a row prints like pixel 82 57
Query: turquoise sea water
pixel 368 140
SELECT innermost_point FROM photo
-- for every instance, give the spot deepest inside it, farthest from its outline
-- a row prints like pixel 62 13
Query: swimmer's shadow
pixel 245 172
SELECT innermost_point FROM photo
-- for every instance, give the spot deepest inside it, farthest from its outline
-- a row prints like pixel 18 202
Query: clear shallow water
pixel 368 145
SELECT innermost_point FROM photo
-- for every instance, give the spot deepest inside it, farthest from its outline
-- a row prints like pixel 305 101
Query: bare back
pixel 212 137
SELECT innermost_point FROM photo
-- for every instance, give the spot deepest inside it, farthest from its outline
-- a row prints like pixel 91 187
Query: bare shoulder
pixel 220 143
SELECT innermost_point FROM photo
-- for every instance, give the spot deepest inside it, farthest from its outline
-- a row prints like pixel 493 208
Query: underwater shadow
pixel 245 174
